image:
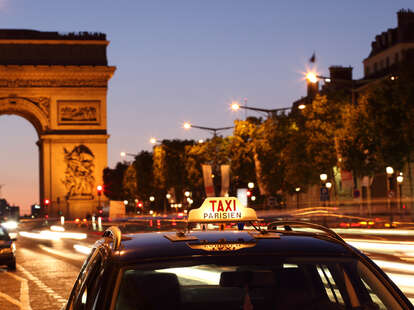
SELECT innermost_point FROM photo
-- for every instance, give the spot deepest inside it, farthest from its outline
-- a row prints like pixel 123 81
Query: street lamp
pixel 235 106
pixel 250 185
pixel 323 177
pixel 125 154
pixel 390 195
pixel 314 78
pixel 188 125
pixel 297 190
pixel 400 180
pixel 153 140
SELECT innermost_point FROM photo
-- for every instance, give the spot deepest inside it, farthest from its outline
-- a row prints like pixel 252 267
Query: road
pixel 47 269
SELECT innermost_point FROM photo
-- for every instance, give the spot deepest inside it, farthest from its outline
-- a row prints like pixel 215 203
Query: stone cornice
pixel 12 76
pixel 66 42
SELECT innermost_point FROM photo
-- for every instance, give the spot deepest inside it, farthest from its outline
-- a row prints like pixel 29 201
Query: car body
pixel 232 269
pixel 7 250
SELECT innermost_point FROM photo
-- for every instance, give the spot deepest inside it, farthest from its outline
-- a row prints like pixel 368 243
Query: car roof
pixel 143 246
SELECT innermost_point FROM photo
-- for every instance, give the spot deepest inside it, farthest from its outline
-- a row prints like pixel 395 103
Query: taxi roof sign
pixel 222 209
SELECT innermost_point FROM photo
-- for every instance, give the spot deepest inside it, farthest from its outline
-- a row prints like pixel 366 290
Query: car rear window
pixel 289 284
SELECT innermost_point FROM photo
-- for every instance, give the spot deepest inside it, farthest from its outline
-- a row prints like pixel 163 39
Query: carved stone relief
pixel 79 180
pixel 41 102
pixel 78 112
pixel 53 83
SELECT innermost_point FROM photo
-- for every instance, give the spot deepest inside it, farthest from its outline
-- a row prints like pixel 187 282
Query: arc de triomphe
pixel 59 82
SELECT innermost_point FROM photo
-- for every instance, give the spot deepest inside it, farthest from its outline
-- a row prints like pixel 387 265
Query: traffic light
pixel 249 193
pixel 140 204
pixel 46 204
pixel 99 189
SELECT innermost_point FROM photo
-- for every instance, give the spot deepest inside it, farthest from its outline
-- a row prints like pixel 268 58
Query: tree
pixel 169 167
pixel 323 119
pixel 129 183
pixel 242 152
pixel 143 165
pixel 113 181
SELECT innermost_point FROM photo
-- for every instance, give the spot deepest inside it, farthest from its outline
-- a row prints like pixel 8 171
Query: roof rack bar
pixel 115 234
pixel 288 227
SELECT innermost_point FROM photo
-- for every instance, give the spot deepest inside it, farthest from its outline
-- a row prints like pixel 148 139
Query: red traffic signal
pixel 47 202
pixel 249 193
pixel 140 204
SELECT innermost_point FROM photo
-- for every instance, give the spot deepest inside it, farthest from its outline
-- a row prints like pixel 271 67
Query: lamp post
pixel 400 180
pixel 297 190
pixel 324 190
pixel 153 140
pixel 390 194
pixel 188 126
pixel 235 106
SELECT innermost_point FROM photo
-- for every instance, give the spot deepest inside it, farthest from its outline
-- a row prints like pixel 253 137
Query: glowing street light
pixel 323 177
pixel 328 184
pixel 250 185
pixel 125 154
pixel 235 106
pixel 151 198
pixel 314 78
pixel 188 125
pixel 389 170
pixel 153 140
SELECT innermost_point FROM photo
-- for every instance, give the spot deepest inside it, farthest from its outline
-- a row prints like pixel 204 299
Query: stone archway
pixel 59 83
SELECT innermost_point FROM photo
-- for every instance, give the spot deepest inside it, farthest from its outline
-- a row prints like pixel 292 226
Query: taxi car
pixel 280 267
pixel 7 249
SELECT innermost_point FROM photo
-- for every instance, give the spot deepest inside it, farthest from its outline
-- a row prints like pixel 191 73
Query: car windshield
pixel 290 284
pixel 3 234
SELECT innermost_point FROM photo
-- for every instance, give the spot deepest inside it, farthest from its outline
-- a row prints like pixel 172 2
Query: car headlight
pixel 10 225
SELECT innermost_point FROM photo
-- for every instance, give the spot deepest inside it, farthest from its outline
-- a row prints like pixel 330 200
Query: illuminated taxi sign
pixel 222 209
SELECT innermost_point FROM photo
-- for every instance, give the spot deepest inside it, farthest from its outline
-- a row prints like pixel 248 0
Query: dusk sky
pixel 187 60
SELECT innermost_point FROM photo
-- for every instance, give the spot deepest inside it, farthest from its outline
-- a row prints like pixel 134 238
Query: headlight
pixel 10 225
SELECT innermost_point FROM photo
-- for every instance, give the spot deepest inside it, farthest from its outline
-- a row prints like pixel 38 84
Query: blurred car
pixel 231 269
pixel 11 226
pixel 7 250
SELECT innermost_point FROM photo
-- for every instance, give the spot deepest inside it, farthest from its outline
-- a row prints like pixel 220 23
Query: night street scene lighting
pixel 235 106
pixel 188 125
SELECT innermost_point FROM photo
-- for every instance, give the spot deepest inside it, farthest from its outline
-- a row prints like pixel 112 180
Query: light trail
pixel 53 235
pixel 402 248
pixel 376 232
pixel 82 249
